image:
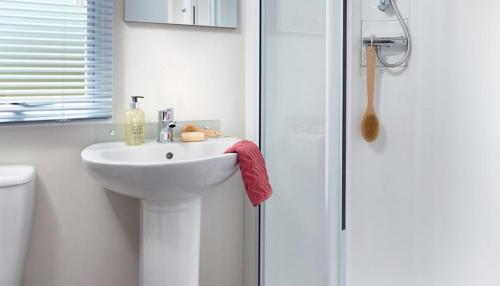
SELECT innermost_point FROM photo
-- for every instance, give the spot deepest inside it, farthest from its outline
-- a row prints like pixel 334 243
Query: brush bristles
pixel 370 128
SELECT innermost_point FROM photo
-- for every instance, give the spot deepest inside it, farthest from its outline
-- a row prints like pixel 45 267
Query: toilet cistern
pixel 16 214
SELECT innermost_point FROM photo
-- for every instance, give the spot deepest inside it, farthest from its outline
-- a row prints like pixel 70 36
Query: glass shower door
pixel 295 222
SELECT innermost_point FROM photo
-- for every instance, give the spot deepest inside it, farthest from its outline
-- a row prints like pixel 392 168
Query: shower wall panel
pixel 423 201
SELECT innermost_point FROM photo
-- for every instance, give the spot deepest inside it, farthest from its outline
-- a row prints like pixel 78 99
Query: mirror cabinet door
pixel 212 13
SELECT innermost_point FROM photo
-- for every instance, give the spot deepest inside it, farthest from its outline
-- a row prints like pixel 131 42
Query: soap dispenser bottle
pixel 134 124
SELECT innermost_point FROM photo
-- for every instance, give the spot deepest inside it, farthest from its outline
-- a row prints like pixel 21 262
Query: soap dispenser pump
pixel 134 123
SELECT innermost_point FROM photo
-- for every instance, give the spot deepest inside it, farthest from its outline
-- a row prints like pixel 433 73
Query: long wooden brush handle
pixel 210 133
pixel 370 76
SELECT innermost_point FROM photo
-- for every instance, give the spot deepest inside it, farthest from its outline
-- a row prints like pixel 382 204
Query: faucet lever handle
pixel 166 115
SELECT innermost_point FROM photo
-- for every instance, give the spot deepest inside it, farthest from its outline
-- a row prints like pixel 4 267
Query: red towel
pixel 253 171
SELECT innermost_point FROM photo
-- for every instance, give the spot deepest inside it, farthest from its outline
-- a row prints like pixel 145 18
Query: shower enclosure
pixel 421 203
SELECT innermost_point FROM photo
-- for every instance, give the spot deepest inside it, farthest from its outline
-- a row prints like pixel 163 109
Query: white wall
pixel 84 235
pixel 423 200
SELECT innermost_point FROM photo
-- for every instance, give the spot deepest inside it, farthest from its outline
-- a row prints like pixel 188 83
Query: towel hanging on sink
pixel 253 171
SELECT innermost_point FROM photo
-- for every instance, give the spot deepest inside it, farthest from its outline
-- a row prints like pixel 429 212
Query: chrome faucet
pixel 166 125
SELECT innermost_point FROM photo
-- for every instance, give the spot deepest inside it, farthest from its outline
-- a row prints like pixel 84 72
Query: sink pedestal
pixel 170 243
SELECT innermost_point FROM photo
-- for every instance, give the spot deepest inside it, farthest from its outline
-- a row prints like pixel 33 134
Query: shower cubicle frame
pixel 336 92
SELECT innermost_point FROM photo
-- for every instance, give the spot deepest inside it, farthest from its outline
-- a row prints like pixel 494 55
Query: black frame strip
pixel 344 114
pixel 260 211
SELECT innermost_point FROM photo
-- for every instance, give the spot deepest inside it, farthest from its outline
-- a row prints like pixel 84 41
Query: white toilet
pixel 16 212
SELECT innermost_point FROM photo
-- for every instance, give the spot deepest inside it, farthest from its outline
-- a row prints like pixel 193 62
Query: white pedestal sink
pixel 170 180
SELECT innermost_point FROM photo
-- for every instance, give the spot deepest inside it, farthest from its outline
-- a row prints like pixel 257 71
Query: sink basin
pixel 169 180
pixel 161 172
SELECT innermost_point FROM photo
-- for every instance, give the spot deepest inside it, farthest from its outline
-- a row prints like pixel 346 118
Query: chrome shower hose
pixel 408 37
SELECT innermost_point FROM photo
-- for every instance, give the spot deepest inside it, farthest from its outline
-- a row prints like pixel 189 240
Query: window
pixel 55 60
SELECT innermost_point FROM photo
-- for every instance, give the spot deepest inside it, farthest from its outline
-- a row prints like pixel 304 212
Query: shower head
pixel 384 4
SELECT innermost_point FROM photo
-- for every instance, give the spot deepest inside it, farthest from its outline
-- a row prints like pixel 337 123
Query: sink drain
pixel 169 155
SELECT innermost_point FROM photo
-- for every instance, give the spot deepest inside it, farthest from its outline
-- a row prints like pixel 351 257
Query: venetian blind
pixel 55 59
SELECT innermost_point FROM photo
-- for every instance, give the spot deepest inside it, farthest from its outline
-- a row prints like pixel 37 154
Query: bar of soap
pixel 192 136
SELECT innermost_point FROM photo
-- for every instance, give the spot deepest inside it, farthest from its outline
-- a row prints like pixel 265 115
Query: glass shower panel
pixel 293 139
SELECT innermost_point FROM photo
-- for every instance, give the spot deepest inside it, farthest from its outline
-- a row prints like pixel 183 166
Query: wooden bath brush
pixel 369 124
